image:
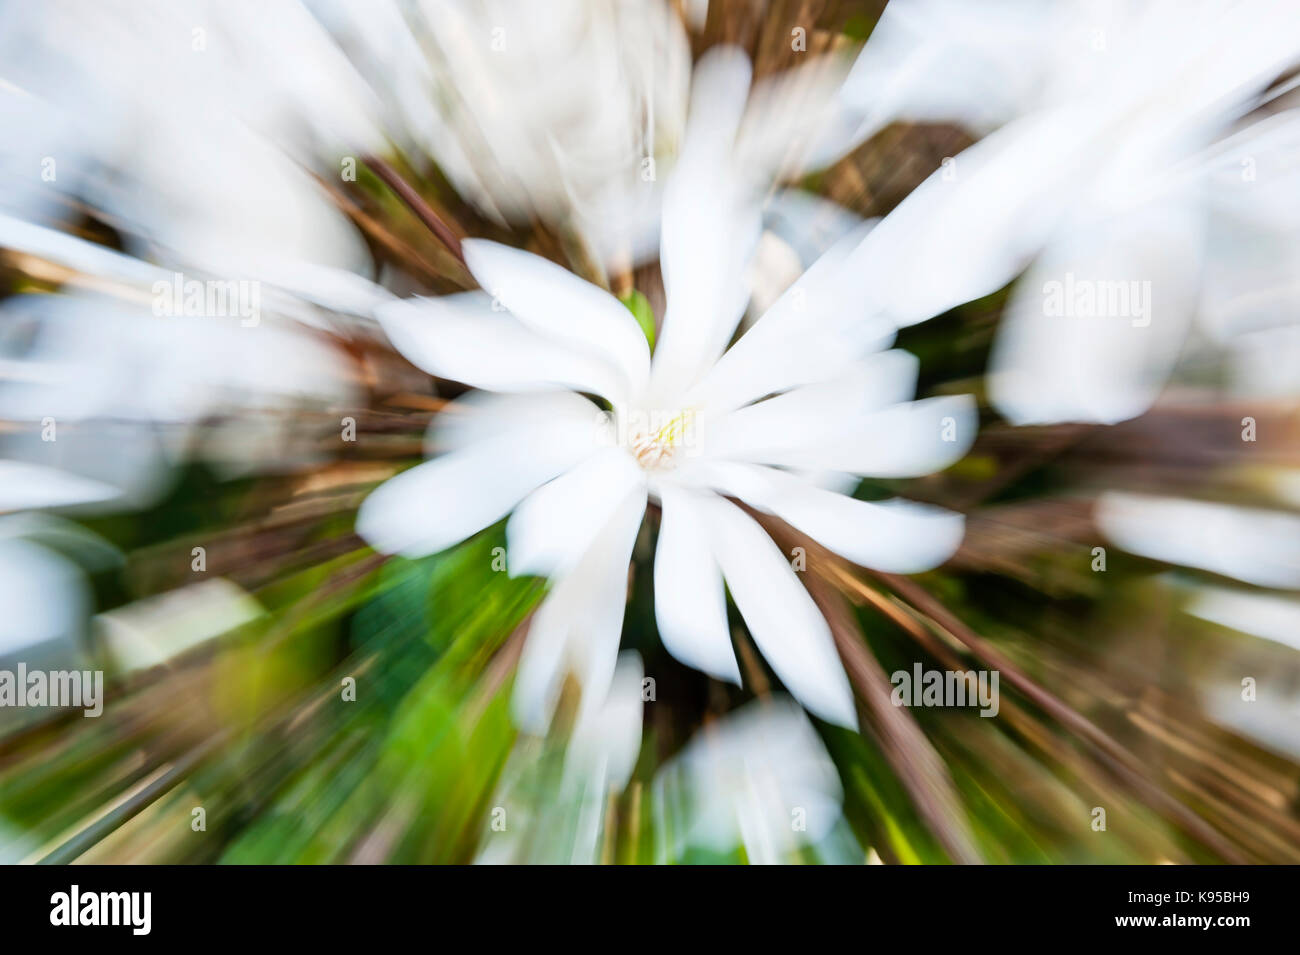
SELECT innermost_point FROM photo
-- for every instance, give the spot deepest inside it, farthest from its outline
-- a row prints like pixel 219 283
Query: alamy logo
pixel 236 298
pixel 1086 298
pixel 103 908
pixel 946 688
pixel 56 688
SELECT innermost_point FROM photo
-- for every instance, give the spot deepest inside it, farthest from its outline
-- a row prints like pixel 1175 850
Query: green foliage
pixel 639 306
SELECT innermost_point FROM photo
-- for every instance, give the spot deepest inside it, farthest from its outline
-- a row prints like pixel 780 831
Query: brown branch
pixel 919 768
pixel 380 235
pixel 1106 750
pixel 503 663
pixel 1123 763
pixel 417 204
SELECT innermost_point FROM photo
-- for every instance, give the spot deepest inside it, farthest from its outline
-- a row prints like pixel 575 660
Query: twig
pixel 919 767
pixel 416 203
pixel 1114 755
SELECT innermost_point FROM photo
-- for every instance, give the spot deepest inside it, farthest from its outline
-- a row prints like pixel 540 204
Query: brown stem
pixel 905 745
pixel 503 663
pixel 416 203
pixel 1113 754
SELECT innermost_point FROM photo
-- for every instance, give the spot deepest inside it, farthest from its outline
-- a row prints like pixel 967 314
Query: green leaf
pixel 639 306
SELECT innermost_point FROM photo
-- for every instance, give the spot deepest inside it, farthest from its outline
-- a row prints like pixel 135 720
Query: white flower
pixel 127 390
pixel 566 824
pixel 1256 545
pixel 1234 567
pixel 25 486
pixel 45 596
pixel 806 397
pixel 546 109
pixel 1118 166
pixel 759 778
pixel 89 91
pixel 574 111
pixel 84 91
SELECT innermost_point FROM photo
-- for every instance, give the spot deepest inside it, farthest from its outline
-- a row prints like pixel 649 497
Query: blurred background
pixel 177 496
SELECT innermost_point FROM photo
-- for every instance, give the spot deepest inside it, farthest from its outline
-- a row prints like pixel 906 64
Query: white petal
pixel 797 121
pixel 24 486
pixel 577 628
pixel 837 481
pixel 907 440
pixel 328 287
pixel 1095 327
pixel 960 236
pixel 810 224
pixel 1262 614
pixel 743 775
pixel 542 664
pixel 443 501
pixel 710 228
pixel 948 62
pixel 605 746
pixel 896 536
pixel 45 598
pixel 817 328
pixel 903 440
pixel 460 337
pixel 1254 545
pixel 88 357
pixel 719 92
pixel 1262 364
pixel 690 605
pixel 594 656
pixel 817 413
pixel 74 253
pixel 1252 261
pixel 559 305
pixel 554 526
pixel 486 415
pixel 785 623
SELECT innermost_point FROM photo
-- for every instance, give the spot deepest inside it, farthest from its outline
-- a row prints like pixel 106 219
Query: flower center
pixel 657 439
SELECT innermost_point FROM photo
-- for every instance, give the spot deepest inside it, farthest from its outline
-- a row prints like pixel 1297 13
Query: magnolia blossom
pixel 761 779
pixel 804 401
pixel 110 390
pixel 547 109
pixel 560 111
pixel 1256 545
pixel 574 111
pixel 46 598
pixel 1125 164
pixel 88 97
pixel 1234 567
pixel 91 93
pixel 566 825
